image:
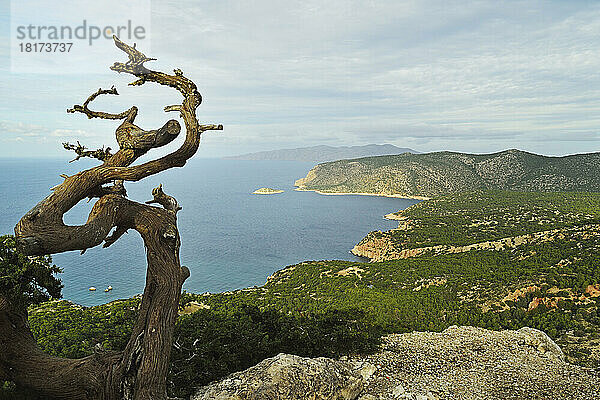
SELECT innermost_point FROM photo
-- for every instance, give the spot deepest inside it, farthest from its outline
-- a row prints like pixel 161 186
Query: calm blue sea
pixel 230 238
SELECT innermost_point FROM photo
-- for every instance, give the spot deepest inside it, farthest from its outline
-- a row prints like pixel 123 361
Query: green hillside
pixel 339 307
pixel 435 174
pixel 471 217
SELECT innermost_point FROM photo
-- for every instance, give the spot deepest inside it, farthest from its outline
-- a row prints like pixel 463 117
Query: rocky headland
pixel 433 174
pixel 379 246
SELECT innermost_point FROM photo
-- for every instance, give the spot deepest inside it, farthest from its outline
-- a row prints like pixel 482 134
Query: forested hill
pixel 324 153
pixel 434 174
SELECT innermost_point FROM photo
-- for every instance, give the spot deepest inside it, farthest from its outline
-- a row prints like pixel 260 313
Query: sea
pixel 230 238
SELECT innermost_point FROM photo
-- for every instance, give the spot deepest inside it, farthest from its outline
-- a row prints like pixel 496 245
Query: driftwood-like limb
pixel 168 202
pixel 127 114
pixel 110 239
pixel 211 127
pixel 82 151
pixel 139 372
pixel 130 136
pixel 116 188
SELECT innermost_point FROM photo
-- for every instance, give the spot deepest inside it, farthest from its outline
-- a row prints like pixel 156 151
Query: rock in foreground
pixel 459 363
pixel 475 363
pixel 288 377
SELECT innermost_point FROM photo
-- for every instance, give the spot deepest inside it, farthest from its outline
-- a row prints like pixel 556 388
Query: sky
pixel 468 76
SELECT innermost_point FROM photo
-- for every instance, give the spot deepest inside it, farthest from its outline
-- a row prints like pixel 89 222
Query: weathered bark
pixel 139 372
pixel 21 361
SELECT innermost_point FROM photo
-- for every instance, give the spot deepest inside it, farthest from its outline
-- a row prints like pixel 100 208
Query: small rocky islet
pixel 266 190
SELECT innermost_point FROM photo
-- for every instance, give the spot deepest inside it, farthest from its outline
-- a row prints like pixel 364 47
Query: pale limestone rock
pixel 287 377
pixel 368 397
pixel 459 363
pixel 366 370
pixel 542 343
pixel 398 391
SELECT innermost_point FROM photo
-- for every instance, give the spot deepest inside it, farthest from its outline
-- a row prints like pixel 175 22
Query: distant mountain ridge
pixel 323 153
pixel 434 174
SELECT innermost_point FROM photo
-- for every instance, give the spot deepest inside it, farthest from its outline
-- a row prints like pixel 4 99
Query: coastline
pixel 394 217
pixel 398 196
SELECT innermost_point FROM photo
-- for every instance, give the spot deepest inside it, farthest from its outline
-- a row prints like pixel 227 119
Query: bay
pixel 230 238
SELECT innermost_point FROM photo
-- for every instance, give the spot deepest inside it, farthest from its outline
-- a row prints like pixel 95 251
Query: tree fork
pixel 140 370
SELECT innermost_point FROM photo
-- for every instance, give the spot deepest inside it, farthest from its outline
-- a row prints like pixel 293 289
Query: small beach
pixel 397 196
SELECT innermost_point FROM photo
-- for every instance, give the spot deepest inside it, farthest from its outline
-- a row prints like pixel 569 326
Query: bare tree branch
pixel 119 231
pixel 129 114
pixel 168 202
pixel 116 188
pixel 139 372
pixel 81 151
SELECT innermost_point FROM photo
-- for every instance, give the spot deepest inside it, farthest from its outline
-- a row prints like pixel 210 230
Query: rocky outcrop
pixel 288 377
pixel 379 246
pixel 311 175
pixel 376 246
pixel 395 216
pixel 459 363
pixel 475 363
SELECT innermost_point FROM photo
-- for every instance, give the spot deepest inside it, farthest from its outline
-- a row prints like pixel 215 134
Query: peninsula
pixel 434 174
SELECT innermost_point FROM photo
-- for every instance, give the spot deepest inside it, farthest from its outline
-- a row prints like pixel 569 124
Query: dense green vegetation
pixel 26 280
pixel 68 330
pixel 337 307
pixel 432 293
pixel 208 344
pixel 435 174
pixel 472 217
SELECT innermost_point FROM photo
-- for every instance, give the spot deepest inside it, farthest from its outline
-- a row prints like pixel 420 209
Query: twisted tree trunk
pixel 140 371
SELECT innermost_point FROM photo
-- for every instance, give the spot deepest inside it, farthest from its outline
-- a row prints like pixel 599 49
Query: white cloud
pixel 17 127
pixel 73 133
pixel 435 74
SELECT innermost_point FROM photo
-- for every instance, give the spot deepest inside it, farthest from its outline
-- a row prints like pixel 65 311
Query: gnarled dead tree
pixel 138 372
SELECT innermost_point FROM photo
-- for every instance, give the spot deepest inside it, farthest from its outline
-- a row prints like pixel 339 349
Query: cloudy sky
pixel 472 76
